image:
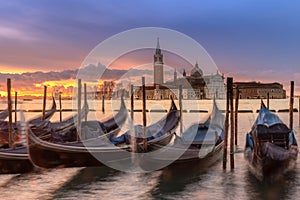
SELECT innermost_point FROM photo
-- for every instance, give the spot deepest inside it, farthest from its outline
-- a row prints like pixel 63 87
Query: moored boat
pixel 201 143
pixel 15 161
pixel 37 121
pixel 157 135
pixel 3 114
pixel 271 148
pixel 95 151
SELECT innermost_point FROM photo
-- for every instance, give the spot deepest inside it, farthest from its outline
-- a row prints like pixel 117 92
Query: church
pixel 194 86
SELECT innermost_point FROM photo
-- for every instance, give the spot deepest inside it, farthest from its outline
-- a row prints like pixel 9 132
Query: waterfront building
pixel 195 86
pixel 257 90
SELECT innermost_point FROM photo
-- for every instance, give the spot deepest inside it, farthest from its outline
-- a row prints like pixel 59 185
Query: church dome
pixel 196 71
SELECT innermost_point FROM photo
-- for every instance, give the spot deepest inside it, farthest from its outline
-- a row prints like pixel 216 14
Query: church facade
pixel 194 86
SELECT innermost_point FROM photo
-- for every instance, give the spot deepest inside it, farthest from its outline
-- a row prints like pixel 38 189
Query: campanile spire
pixel 158 65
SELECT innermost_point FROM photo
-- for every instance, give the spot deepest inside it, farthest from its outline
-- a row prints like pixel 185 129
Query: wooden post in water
pixel 131 103
pixel 144 115
pixel 180 108
pixel 9 107
pixel 133 141
pixel 16 106
pixel 236 115
pixel 79 111
pixel 291 104
pixel 60 108
pixel 268 100
pixel 231 124
pixel 103 104
pixel 226 126
pixel 85 103
pixel 299 109
pixel 44 101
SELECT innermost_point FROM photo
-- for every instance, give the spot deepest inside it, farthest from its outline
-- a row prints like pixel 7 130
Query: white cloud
pixel 13 33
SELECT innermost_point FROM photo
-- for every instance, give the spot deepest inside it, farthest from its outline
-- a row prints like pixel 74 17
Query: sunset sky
pixel 250 40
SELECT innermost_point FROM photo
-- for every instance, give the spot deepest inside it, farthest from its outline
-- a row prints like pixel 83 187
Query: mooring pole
pixel 180 108
pixel 44 101
pixel 236 115
pixel 299 109
pixel 16 106
pixel 133 141
pixel 9 106
pixel 131 103
pixel 103 104
pixel 85 103
pixel 231 124
pixel 226 126
pixel 144 116
pixel 60 108
pixel 291 104
pixel 79 111
pixel 268 100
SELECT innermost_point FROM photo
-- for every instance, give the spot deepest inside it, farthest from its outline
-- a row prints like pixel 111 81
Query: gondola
pixel 201 144
pixel 9 158
pixel 48 114
pixel 63 132
pixel 95 151
pixel 15 161
pixel 157 134
pixel 3 114
pixel 70 121
pixel 37 121
pixel 271 148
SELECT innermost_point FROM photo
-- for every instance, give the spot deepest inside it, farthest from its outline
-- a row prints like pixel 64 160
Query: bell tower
pixel 158 66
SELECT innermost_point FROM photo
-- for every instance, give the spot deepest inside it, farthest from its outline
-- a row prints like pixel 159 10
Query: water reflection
pixel 84 179
pixel 280 189
pixel 176 180
pixel 35 185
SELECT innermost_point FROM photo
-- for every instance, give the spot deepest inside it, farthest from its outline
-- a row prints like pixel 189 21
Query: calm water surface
pixel 188 182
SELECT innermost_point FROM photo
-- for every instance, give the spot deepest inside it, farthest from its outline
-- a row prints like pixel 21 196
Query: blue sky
pixel 249 40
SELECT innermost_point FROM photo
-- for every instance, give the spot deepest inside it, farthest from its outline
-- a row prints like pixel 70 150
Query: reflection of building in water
pixel 256 90
pixel 195 86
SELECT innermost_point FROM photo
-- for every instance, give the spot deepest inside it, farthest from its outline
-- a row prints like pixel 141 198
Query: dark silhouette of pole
pixel 268 100
pixel 180 108
pixel 60 108
pixel 16 106
pixel 226 126
pixel 291 104
pixel 131 103
pixel 133 141
pixel 44 101
pixel 236 113
pixel 144 115
pixel 85 103
pixel 9 107
pixel 231 123
pixel 79 111
pixel 103 104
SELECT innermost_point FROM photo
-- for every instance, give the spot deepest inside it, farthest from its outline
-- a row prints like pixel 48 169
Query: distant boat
pixel 271 148
pixel 27 99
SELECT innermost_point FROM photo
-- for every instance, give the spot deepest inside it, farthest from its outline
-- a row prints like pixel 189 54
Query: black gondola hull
pixel 267 168
pixel 12 162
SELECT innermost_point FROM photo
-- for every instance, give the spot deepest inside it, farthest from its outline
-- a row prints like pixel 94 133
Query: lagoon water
pixel 170 183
